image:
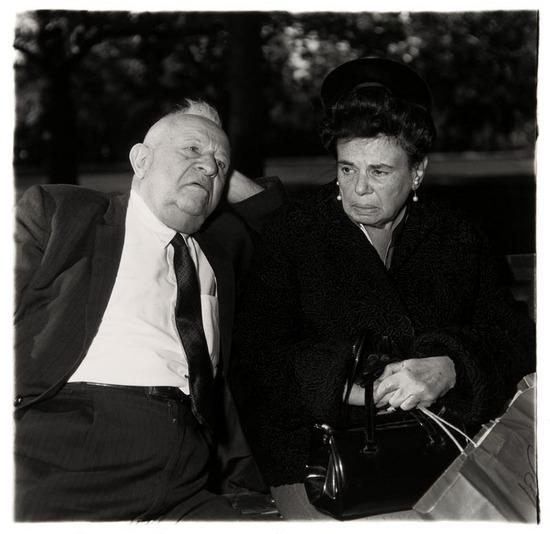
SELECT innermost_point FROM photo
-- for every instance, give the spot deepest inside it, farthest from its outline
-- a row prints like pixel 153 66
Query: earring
pixel 338 196
pixel 414 188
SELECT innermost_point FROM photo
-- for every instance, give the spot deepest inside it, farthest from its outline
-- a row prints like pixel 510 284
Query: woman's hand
pixel 414 383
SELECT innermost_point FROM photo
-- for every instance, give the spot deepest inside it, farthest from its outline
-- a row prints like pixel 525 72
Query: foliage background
pixel 89 83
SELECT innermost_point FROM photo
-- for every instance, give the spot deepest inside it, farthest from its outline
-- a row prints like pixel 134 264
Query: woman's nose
pixel 363 185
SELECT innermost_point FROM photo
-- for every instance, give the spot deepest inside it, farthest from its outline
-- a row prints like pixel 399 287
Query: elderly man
pixel 124 310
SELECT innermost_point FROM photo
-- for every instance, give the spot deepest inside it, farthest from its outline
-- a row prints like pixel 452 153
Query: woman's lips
pixel 358 207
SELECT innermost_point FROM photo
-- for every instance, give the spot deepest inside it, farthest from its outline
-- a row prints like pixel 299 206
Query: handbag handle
pixel 357 355
pixel 373 370
pixel 373 367
pixel 370 369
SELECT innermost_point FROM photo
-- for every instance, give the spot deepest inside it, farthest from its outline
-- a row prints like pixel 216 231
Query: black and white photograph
pixel 274 265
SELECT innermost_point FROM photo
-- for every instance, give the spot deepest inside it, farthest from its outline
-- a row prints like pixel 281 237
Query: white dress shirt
pixel 137 342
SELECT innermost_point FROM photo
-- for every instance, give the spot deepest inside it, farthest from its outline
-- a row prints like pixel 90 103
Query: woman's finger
pixel 390 369
pixel 399 397
pixel 409 403
pixel 384 401
pixel 385 386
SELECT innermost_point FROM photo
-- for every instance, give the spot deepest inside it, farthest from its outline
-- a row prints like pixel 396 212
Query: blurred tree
pixel 54 44
pixel 301 49
pixel 482 67
pixel 96 70
pixel 247 101
pixel 483 71
pixel 89 83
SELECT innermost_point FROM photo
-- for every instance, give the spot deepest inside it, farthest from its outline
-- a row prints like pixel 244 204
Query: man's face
pixel 185 175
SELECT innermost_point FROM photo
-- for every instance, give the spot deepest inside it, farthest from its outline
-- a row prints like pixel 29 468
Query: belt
pixel 160 392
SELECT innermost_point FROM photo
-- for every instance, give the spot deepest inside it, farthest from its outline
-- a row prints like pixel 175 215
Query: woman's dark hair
pixel 372 111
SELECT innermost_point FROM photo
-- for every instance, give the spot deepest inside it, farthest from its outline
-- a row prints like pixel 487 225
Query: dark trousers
pixel 100 453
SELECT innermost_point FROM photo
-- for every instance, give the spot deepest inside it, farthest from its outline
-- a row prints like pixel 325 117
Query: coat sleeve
pixel 492 351
pixel 257 208
pixel 31 237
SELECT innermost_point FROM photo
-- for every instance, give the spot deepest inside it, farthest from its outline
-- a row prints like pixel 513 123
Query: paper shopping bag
pixel 495 478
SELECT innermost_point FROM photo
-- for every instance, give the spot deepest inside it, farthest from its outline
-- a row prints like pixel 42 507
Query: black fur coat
pixel 318 282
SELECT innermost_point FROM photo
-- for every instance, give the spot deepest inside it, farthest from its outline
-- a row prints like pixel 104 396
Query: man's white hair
pixel 201 108
pixel 191 107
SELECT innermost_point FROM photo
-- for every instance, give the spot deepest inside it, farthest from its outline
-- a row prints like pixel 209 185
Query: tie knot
pixel 178 241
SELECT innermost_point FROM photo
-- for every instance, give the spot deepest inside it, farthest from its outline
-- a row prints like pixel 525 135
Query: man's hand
pixel 414 383
pixel 239 187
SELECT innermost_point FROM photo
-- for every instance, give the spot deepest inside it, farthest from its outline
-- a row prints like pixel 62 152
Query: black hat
pixel 399 79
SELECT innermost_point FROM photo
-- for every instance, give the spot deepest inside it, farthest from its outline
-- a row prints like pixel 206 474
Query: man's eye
pixel 346 170
pixel 194 149
pixel 378 172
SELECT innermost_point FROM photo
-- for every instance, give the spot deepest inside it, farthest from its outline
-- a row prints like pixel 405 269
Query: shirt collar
pixel 396 232
pixel 143 213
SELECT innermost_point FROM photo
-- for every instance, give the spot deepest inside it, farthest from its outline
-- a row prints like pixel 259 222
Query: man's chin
pixel 186 218
pixel 195 206
pixel 188 224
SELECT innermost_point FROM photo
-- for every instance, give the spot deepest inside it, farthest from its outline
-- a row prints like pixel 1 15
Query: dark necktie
pixel 191 332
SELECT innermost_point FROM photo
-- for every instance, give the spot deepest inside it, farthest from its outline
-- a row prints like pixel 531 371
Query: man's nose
pixel 207 165
pixel 363 185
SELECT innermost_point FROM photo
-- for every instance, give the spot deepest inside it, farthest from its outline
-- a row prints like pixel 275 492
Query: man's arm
pixel 240 187
pixel 255 200
pixel 31 234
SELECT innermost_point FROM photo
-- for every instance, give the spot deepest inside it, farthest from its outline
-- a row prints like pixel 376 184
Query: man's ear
pixel 141 157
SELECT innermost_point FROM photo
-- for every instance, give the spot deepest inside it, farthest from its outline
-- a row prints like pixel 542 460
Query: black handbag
pixel 383 465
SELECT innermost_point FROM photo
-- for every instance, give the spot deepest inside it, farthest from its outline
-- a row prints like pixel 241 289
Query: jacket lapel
pixel 234 468
pixel 109 240
pixel 225 285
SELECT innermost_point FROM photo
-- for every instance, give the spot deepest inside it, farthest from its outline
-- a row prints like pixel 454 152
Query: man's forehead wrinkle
pixel 173 128
pixel 206 138
pixel 164 129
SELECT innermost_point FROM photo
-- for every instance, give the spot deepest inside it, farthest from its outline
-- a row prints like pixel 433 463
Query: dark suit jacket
pixel 68 248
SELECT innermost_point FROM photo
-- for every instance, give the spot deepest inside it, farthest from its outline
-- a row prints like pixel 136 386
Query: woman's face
pixel 375 179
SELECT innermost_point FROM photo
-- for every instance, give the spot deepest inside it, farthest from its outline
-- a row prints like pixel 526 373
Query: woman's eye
pixel 221 164
pixel 193 148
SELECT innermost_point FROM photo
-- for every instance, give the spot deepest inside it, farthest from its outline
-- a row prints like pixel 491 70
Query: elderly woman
pixel 369 252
